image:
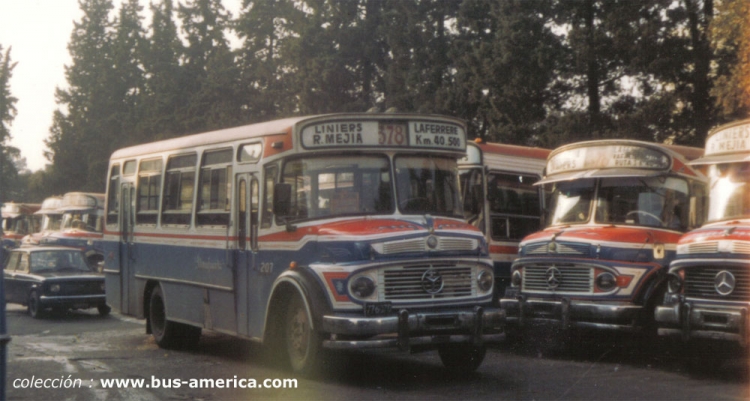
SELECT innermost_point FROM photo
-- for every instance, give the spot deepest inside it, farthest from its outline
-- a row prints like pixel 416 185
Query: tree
pixel 730 37
pixel 8 154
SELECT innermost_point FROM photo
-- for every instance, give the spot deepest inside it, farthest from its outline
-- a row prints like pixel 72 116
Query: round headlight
pixel 484 281
pixel 606 281
pixel 674 282
pixel 515 279
pixel 362 287
pixel 54 288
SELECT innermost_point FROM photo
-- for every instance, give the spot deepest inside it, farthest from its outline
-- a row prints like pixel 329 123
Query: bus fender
pixel 302 281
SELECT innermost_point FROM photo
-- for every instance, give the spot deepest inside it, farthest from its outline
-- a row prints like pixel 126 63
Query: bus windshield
pixel 661 202
pixel 730 192
pixel 51 222
pixel 81 221
pixel 332 186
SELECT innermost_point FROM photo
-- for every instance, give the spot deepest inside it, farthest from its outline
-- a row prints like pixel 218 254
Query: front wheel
pixel 34 307
pixel 169 334
pixel 462 358
pixel 103 309
pixel 303 344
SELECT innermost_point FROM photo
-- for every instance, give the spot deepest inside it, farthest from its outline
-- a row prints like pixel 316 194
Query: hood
pixel 598 234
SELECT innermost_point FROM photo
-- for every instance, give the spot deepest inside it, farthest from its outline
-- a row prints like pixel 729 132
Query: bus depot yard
pixel 344 241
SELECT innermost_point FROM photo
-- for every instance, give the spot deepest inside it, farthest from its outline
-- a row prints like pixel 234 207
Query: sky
pixel 38 31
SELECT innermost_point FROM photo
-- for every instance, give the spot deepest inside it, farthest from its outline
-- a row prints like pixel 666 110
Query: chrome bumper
pixel 694 319
pixel 567 313
pixel 420 328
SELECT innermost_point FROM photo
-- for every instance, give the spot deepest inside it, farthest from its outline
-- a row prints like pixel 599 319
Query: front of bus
pixel 51 221
pixel 617 210
pixel 81 225
pixel 18 221
pixel 709 283
pixel 376 204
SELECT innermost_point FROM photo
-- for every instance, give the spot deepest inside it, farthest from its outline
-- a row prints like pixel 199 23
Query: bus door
pixel 246 217
pixel 127 257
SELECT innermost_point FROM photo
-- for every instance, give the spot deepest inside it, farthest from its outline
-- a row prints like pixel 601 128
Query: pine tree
pixel 8 171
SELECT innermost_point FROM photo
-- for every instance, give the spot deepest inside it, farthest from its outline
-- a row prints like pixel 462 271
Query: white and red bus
pixel 51 216
pixel 82 224
pixel 341 231
pixel 501 198
pixel 19 220
pixel 709 280
pixel 616 211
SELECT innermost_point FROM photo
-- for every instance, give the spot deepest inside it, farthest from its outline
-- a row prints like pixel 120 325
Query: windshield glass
pixel 645 201
pixel 58 261
pixel 338 186
pixel 570 202
pixel 730 192
pixel 81 220
pixel 51 222
pixel 427 185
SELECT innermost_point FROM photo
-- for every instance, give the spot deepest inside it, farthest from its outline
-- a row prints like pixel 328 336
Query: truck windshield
pixel 730 192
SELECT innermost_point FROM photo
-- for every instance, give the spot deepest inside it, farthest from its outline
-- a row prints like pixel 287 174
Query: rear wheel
pixel 168 334
pixel 303 344
pixel 34 307
pixel 462 358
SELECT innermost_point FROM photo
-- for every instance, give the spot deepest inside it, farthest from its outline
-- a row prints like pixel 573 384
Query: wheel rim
pixel 33 305
pixel 298 333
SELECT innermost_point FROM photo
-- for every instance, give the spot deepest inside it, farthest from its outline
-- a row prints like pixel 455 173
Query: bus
pixel 51 220
pixel 18 221
pixel 709 280
pixel 308 234
pixel 498 180
pixel 616 211
pixel 82 224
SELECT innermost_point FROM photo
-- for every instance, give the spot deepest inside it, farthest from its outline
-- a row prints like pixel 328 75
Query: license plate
pixel 377 308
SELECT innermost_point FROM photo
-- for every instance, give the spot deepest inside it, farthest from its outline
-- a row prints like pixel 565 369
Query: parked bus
pixel 51 216
pixel 498 181
pixel 18 221
pixel 82 224
pixel 341 231
pixel 616 211
pixel 709 280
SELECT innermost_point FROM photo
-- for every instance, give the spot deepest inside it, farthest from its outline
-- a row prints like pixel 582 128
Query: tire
pixel 34 308
pixel 167 334
pixel 303 344
pixel 462 359
pixel 103 309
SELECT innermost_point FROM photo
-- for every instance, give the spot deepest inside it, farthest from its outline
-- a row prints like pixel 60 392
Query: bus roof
pixel 12 209
pixel 618 158
pixel 727 143
pixel 514 150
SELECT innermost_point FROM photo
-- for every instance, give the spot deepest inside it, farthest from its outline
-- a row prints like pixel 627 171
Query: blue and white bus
pixel 340 231
pixel 51 217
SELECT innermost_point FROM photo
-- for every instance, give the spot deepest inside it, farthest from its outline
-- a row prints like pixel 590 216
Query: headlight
pixel 606 281
pixel 484 281
pixel 674 282
pixel 54 288
pixel 516 279
pixel 362 287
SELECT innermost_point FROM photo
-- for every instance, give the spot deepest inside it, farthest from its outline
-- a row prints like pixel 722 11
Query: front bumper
pixel 523 310
pixel 73 301
pixel 414 328
pixel 700 319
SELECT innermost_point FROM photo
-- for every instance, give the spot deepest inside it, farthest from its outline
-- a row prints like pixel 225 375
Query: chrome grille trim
pixel 578 279
pixel 561 249
pixel 404 283
pixel 420 245
pixel 731 246
pixel 699 282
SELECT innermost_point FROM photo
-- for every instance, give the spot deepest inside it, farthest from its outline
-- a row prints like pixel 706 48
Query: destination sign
pixel 349 134
pixel 732 139
pixel 607 156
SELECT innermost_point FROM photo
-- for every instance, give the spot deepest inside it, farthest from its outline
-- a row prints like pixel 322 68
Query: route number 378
pixel 392 134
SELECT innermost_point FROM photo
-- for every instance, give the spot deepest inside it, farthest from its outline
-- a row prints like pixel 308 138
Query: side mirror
pixel 282 199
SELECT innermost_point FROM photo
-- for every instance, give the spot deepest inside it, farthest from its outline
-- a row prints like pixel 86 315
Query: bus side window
pixel 149 187
pixel 215 189
pixel 178 190
pixel 270 178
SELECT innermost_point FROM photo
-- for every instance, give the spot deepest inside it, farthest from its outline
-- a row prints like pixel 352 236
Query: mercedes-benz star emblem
pixel 554 277
pixel 432 282
pixel 724 282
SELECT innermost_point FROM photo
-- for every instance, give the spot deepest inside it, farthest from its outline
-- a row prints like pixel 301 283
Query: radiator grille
pixel 420 282
pixel 700 283
pixel 567 278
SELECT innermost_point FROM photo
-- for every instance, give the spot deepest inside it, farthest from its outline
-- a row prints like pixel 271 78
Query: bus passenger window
pixel 178 190
pixel 215 189
pixel 149 186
